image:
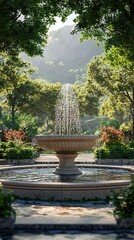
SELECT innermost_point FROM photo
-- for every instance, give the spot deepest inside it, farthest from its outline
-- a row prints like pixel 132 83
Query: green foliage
pixel 114 84
pixel 115 151
pixel 124 202
pixel 113 146
pixel 126 128
pixel 110 123
pixel 17 150
pixel 88 102
pixel 23 95
pixel 106 78
pixel 44 104
pixel 131 144
pixel 5 120
pixel 24 25
pixel 16 86
pixel 102 152
pixel 111 136
pixel 102 20
pixel 28 123
pixel 6 200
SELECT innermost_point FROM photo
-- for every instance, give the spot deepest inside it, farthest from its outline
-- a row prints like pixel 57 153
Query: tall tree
pixel 24 24
pixel 88 102
pixel 108 21
pixel 43 104
pixel 15 83
pixel 116 83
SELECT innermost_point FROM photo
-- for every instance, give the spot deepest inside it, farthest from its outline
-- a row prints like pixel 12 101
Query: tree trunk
pixel 131 2
pixel 47 128
pixel 132 110
pixel 13 117
pixel 133 123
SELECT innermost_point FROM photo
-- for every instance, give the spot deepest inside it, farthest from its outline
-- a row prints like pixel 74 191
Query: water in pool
pixel 47 175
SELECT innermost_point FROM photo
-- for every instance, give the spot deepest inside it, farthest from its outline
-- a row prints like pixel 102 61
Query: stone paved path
pixel 73 213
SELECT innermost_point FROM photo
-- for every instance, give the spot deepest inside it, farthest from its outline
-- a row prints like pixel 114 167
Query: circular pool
pixel 39 182
pixel 45 174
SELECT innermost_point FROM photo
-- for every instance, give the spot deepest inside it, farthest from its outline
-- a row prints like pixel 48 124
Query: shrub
pixel 102 153
pixel 6 200
pixel 124 202
pixel 110 123
pixel 115 151
pixel 113 146
pixel 14 135
pixel 110 135
pixel 17 150
pixel 131 144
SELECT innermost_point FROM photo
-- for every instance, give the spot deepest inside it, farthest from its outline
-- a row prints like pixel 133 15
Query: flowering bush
pixel 113 145
pixel 14 135
pixel 110 135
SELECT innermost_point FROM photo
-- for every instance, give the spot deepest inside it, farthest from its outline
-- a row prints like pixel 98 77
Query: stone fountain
pixel 67 143
pixel 68 139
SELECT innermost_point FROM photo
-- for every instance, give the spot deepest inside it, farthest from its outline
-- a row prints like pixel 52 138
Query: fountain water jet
pixel 68 140
pixel 67 116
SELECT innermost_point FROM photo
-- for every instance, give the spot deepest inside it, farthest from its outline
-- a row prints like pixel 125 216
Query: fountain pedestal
pixel 66 164
pixel 66 148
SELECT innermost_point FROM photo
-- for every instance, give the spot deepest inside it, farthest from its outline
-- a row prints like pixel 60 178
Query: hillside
pixel 65 58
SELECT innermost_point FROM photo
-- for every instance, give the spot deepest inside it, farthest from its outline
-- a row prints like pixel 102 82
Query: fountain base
pixel 66 164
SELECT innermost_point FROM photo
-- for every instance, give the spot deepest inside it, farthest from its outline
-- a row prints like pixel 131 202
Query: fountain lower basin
pixel 66 148
pixel 60 191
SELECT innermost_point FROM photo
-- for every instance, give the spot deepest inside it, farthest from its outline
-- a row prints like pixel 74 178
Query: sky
pixel 60 24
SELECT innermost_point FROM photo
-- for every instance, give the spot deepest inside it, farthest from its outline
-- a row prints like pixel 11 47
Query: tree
pixel 109 21
pixel 116 83
pixel 43 104
pixel 24 24
pixel 16 84
pixel 88 102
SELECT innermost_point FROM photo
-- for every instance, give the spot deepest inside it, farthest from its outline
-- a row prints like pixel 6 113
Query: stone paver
pixel 51 158
pixel 72 213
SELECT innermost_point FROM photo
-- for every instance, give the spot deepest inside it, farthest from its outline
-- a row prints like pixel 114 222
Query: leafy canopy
pixel 24 24
pixel 114 82
pixel 108 21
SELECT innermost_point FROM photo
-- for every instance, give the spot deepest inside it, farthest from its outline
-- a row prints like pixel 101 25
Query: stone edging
pixel 82 227
pixel 115 161
pixel 65 226
pixel 20 161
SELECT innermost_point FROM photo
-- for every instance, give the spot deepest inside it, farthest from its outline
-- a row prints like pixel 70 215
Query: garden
pixel 105 95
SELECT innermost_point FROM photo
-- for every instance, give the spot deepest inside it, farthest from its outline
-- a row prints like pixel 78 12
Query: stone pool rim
pixel 63 191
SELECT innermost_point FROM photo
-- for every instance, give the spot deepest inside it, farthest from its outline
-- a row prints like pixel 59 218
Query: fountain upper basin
pixel 67 143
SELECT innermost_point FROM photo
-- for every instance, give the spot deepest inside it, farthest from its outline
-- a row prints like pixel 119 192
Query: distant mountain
pixel 65 58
